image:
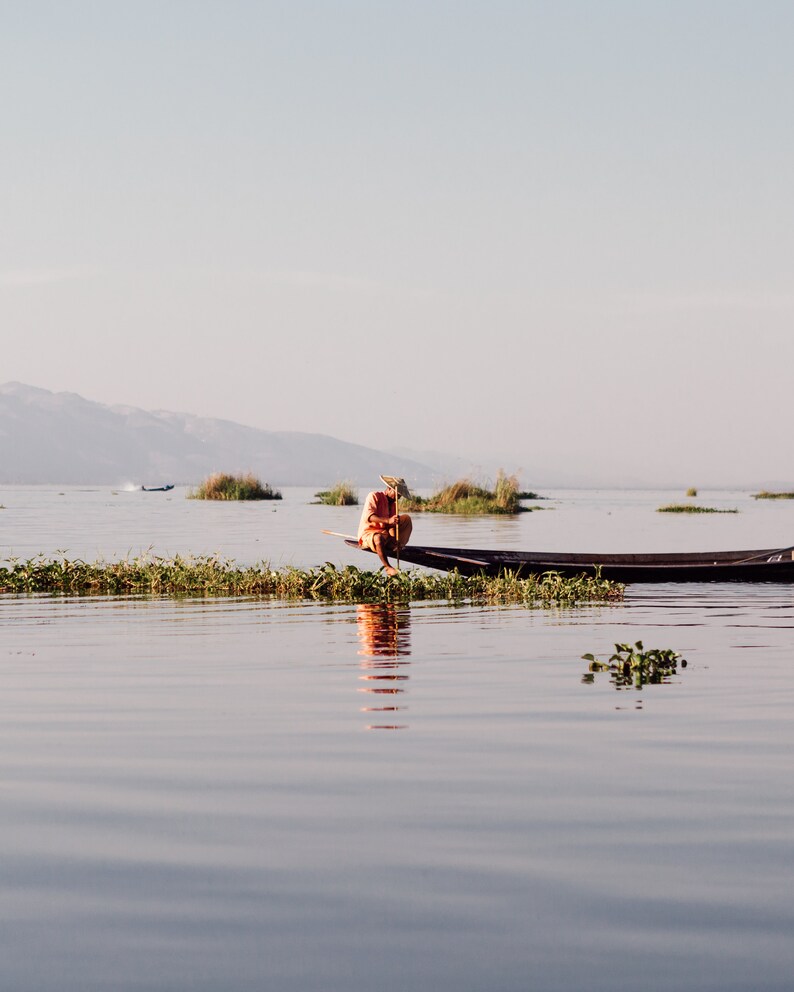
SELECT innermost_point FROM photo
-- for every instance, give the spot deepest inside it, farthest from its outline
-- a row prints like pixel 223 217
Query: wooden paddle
pixel 397 514
pixel 396 483
pixel 776 555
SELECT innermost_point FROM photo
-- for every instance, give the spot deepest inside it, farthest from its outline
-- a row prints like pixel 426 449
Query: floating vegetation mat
pixel 342 494
pixel 466 497
pixel 766 495
pixel 238 487
pixel 689 508
pixel 211 576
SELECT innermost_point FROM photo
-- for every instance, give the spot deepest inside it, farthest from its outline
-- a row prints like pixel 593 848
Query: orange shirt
pixel 380 505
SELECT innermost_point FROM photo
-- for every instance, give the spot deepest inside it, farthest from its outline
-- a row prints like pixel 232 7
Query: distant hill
pixel 64 439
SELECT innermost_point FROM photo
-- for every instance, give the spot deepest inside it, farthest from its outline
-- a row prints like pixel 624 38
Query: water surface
pixel 242 794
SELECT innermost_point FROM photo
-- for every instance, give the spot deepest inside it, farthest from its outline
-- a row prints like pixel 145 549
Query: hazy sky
pixel 558 234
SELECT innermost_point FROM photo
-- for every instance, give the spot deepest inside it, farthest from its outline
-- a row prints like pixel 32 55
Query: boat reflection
pixel 385 640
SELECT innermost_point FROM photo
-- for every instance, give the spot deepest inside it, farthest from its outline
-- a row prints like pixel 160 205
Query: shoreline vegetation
pixel 211 576
pixel 223 486
pixel 767 495
pixel 342 494
pixel 466 497
pixel 690 508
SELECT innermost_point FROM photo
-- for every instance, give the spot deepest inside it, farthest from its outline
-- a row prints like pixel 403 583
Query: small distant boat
pixel 770 565
pixel 157 489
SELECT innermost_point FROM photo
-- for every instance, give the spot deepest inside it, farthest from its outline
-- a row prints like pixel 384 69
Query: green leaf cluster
pixel 632 665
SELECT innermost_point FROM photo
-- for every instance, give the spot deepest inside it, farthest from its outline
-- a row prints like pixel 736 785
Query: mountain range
pixel 64 439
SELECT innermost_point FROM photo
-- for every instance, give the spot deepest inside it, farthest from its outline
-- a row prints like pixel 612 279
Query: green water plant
pixel 467 497
pixel 223 486
pixel 632 666
pixel 342 494
pixel 767 495
pixel 689 508
pixel 212 576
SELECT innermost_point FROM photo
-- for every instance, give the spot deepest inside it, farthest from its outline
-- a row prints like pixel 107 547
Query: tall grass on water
pixel 342 494
pixel 466 497
pixel 224 486
pixel 767 495
pixel 212 576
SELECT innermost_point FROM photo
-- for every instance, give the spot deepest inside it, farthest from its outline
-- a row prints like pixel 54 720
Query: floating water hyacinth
pixel 211 576
pixel 633 666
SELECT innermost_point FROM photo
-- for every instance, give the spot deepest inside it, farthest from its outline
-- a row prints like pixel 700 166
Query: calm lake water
pixel 246 795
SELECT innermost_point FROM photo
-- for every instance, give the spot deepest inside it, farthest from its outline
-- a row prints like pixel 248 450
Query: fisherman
pixel 381 528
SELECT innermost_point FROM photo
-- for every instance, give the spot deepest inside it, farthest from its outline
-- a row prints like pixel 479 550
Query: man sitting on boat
pixel 381 528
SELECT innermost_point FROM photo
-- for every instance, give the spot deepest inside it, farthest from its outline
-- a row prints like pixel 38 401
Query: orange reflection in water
pixel 385 639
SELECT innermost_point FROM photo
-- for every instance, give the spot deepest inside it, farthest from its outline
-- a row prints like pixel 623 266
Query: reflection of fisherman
pixel 384 636
pixel 381 528
pixel 384 632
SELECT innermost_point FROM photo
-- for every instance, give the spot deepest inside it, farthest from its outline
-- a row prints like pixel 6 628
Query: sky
pixel 555 235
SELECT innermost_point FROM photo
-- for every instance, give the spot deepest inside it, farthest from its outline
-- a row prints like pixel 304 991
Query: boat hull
pixel 770 565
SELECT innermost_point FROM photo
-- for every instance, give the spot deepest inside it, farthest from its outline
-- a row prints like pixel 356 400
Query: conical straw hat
pixel 397 484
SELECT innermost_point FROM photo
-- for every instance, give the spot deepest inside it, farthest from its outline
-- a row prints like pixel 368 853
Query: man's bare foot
pixel 390 570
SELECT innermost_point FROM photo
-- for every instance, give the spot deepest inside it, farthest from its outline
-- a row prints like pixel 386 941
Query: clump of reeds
pixel 691 491
pixel 689 508
pixel 465 496
pixel 211 576
pixel 220 485
pixel 342 494
pixel 766 495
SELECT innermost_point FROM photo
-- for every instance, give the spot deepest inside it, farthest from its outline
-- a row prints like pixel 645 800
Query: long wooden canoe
pixel 769 565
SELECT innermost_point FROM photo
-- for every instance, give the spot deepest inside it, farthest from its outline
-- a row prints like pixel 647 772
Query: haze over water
pixel 245 794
